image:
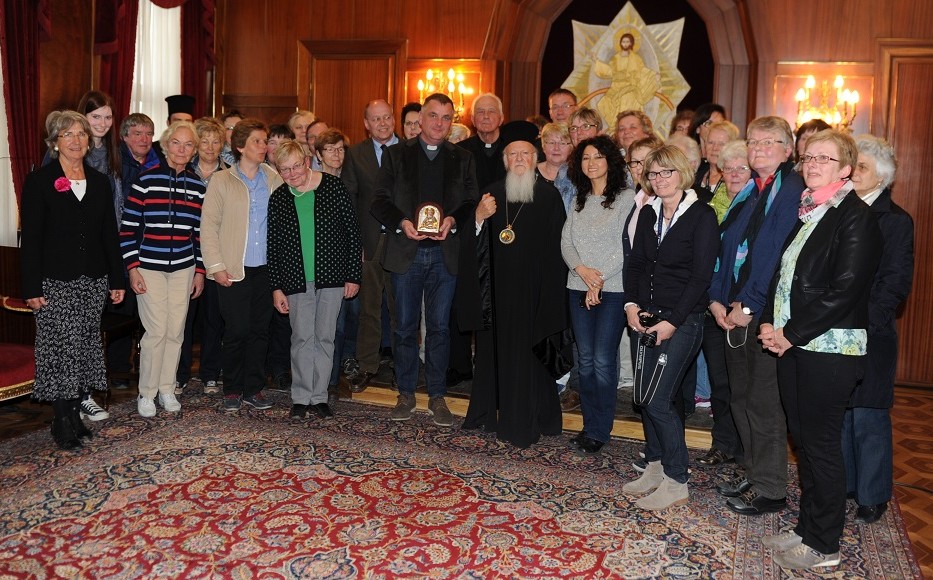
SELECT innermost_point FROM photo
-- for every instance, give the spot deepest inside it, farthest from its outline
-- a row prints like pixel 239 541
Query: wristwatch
pixel 746 310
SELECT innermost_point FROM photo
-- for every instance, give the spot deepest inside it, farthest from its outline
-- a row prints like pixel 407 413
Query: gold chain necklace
pixel 507 235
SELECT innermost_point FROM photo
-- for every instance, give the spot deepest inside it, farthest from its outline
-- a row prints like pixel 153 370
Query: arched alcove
pixel 730 36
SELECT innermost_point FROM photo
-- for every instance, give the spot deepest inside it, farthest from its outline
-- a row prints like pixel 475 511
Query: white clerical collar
pixel 431 147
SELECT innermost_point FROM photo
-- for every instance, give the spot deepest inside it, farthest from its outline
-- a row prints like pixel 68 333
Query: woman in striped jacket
pixel 160 242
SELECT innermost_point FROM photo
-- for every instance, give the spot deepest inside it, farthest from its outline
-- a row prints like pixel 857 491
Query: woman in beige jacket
pixel 233 246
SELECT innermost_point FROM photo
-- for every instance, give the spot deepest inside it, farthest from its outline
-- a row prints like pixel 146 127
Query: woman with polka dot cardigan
pixel 315 262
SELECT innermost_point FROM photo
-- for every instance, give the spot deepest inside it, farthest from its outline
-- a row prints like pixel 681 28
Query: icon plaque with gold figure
pixel 429 219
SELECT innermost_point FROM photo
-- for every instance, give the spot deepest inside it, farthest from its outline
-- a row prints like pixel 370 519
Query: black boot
pixel 62 431
pixel 74 419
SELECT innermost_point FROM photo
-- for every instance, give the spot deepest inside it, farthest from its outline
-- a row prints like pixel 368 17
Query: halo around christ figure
pixel 628 65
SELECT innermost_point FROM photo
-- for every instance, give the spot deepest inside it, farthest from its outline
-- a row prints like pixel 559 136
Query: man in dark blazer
pixel 424 170
pixel 360 171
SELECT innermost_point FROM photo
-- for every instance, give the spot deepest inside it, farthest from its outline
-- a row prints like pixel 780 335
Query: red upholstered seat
pixel 17 370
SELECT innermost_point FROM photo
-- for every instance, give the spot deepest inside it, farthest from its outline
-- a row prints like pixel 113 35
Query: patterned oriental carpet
pixel 206 495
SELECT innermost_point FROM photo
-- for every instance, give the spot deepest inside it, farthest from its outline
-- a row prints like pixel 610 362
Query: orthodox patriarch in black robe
pixel 523 289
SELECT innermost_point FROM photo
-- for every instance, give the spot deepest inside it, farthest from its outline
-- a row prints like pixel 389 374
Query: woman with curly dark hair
pixel 591 243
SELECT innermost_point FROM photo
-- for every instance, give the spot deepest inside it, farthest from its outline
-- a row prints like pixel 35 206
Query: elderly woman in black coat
pixel 71 265
pixel 866 430
pixel 816 321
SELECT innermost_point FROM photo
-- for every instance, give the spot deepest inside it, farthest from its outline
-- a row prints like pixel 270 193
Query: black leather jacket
pixel 833 273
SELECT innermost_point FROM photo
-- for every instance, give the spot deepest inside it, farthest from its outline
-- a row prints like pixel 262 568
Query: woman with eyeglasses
pixel 315 262
pixel 585 123
pixel 557 146
pixel 726 446
pixel 666 281
pixel 709 174
pixel 103 154
pixel 330 149
pixel 71 262
pixel 161 246
pixel 754 230
pixel 732 165
pixel 206 162
pixel 590 247
pixel 866 438
pixel 816 321
pixel 635 160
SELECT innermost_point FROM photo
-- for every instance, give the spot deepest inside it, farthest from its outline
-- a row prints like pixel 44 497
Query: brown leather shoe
pixel 570 400
pixel 714 457
pixel 360 380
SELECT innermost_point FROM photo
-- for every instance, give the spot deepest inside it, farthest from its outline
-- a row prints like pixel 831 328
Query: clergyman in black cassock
pixel 523 288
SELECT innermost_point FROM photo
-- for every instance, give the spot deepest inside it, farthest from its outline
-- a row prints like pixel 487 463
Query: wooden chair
pixel 112 327
pixel 17 361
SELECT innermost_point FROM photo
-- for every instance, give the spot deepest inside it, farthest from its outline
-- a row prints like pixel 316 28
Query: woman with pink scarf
pixel 816 322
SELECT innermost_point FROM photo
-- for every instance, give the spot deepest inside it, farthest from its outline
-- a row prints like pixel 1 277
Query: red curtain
pixel 115 42
pixel 19 43
pixel 197 52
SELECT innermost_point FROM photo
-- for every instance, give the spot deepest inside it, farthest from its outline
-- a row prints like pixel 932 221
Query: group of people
pixel 785 279
pixel 773 266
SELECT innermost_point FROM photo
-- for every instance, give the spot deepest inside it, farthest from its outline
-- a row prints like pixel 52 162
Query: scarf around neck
pixel 811 199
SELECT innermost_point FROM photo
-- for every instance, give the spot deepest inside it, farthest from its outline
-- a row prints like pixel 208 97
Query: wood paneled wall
pixel 66 61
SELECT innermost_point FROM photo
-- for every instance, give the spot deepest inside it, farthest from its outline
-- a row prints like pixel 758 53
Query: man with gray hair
pixel 136 132
pixel 518 227
pixel 486 147
pixel 137 155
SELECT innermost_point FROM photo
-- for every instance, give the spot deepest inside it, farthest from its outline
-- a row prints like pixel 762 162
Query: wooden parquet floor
pixel 912 418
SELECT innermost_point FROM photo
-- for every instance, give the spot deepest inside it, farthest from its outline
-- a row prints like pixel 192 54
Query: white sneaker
pixel 211 388
pixel 91 410
pixel 169 402
pixel 146 407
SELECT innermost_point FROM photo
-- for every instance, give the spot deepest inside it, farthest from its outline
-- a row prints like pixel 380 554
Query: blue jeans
pixel 703 387
pixel 868 454
pixel 345 336
pixel 598 332
pixel 664 431
pixel 427 277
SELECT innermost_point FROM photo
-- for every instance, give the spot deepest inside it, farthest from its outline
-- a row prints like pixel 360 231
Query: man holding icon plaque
pixel 424 183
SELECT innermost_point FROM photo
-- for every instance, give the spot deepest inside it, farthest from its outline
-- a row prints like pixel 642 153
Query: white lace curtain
pixel 157 70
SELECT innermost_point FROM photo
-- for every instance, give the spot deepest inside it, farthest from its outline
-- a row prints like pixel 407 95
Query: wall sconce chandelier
pixel 840 114
pixel 451 84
